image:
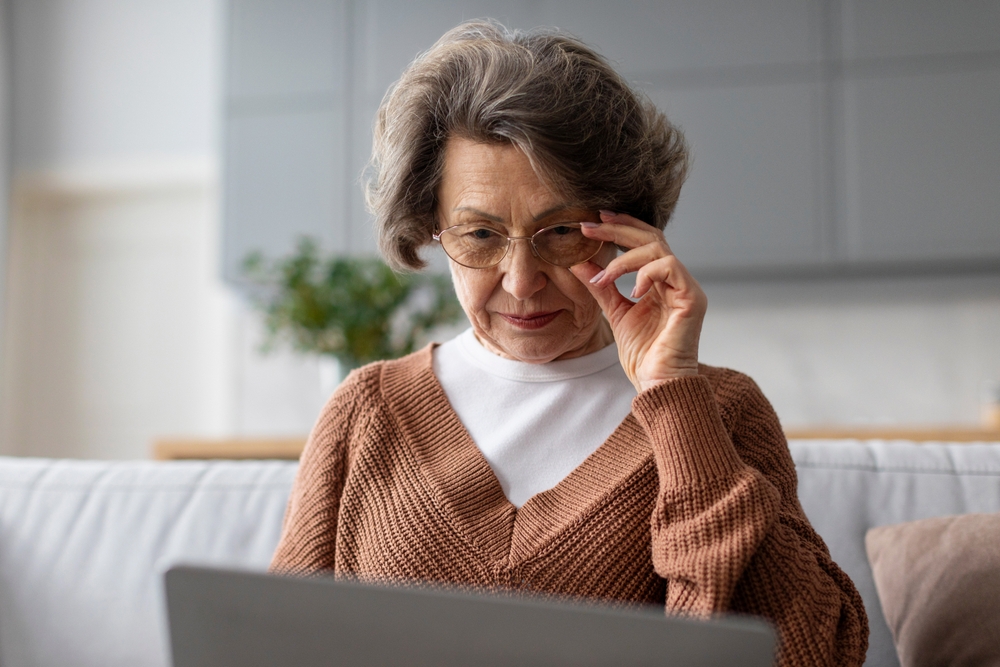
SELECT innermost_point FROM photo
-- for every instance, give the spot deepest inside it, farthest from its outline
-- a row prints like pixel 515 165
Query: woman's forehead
pixel 496 183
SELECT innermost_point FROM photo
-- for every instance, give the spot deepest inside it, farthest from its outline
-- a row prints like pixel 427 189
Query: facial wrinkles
pixel 489 183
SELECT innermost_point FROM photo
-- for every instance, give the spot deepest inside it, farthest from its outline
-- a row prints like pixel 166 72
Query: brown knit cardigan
pixel 691 503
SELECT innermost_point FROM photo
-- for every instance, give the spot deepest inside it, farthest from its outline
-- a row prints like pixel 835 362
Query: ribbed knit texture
pixel 691 503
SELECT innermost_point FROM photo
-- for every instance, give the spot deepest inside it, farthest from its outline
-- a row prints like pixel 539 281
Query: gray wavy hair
pixel 587 134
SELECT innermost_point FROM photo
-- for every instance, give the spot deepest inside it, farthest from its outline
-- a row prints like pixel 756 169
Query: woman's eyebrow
pixel 491 218
pixel 551 211
pixel 497 219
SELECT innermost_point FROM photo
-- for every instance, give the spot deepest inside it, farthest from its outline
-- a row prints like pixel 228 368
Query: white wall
pixel 120 326
pixel 118 329
pixel 113 80
pixel 861 351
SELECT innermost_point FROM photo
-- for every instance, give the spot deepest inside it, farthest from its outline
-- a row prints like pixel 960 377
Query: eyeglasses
pixel 479 246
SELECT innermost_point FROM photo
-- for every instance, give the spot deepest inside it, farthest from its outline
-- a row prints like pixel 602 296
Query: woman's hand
pixel 658 335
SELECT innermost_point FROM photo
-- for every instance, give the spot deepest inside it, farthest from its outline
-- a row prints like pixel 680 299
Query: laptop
pixel 228 618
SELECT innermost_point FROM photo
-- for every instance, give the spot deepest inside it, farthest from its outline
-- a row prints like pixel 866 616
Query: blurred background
pixel 843 212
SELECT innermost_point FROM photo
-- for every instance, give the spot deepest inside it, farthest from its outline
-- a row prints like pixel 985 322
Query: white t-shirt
pixel 534 423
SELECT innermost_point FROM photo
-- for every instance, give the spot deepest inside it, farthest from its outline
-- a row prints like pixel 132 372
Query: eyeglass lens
pixel 480 246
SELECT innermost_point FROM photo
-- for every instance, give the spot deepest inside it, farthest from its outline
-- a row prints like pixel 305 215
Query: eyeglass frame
pixel 531 244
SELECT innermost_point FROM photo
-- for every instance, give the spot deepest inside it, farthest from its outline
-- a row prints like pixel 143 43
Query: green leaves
pixel 355 309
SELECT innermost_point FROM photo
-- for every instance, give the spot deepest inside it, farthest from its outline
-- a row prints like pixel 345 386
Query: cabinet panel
pixel 640 36
pixel 653 35
pixel 754 195
pixel 286 47
pixel 795 166
pixel 391 33
pixel 892 28
pixel 284 178
pixel 924 154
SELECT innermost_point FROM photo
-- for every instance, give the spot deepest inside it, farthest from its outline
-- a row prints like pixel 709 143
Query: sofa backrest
pixel 849 486
pixel 83 544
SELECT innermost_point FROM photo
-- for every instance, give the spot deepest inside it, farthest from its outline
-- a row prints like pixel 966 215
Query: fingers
pixel 623 218
pixel 625 231
pixel 650 268
pixel 633 260
pixel 684 289
pixel 612 303
pixel 648 246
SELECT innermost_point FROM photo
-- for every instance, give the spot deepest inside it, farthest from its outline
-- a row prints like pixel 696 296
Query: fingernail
pixel 634 290
pixel 599 275
pixel 609 214
pixel 590 225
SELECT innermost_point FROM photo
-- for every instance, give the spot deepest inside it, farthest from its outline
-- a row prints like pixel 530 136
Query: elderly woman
pixel 569 443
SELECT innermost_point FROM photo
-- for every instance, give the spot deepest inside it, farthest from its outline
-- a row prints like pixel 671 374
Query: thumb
pixel 607 295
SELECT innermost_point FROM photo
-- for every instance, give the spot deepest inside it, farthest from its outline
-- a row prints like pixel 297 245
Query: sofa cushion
pixel 847 487
pixel 83 543
pixel 939 584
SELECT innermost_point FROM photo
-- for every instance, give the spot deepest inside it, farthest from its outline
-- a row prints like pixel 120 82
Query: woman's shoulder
pixel 368 395
pixel 381 380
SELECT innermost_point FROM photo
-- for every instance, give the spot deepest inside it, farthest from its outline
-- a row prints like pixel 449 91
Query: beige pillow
pixel 939 584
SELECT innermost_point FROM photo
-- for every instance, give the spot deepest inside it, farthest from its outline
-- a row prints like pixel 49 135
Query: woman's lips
pixel 531 320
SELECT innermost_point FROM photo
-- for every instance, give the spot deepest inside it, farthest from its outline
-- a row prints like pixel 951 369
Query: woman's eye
pixel 483 234
pixel 563 229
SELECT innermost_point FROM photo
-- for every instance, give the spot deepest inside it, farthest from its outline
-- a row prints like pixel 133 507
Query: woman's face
pixel 523 308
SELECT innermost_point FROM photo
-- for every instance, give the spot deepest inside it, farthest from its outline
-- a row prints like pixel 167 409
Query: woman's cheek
pixel 472 292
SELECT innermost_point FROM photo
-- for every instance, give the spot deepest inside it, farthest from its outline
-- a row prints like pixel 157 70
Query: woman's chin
pixel 532 345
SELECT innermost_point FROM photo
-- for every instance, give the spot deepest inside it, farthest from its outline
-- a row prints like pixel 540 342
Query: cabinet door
pixel 920 28
pixel 306 77
pixel 923 168
pixel 285 49
pixel 283 180
pixel 754 198
pixel 285 126
pixel 922 112
pixel 824 135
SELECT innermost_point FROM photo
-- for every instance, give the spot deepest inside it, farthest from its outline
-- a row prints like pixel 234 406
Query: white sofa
pixel 83 543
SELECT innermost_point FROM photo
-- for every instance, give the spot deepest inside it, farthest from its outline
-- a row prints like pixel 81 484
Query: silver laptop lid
pixel 223 618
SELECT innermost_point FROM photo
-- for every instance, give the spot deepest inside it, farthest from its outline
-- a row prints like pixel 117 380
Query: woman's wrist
pixel 690 442
pixel 643 385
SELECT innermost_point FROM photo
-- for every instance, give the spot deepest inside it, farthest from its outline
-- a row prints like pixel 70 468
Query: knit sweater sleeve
pixel 308 537
pixel 728 533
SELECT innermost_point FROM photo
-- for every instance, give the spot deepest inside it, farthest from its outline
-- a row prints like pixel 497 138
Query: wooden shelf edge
pixel 228 448
pixel 289 449
pixel 916 434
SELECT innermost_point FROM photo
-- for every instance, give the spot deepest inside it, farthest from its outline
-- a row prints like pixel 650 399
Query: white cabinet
pixel 285 127
pixel 923 181
pixel 660 36
pixel 901 28
pixel 756 189
pixel 827 135
pixel 283 179
pixel 286 48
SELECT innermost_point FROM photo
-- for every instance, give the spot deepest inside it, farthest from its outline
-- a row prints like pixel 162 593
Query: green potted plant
pixel 353 309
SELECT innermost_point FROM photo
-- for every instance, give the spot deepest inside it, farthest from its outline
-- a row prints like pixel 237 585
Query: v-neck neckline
pixel 465 485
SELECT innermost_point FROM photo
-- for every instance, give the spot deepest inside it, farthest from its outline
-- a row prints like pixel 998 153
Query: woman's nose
pixel 523 272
